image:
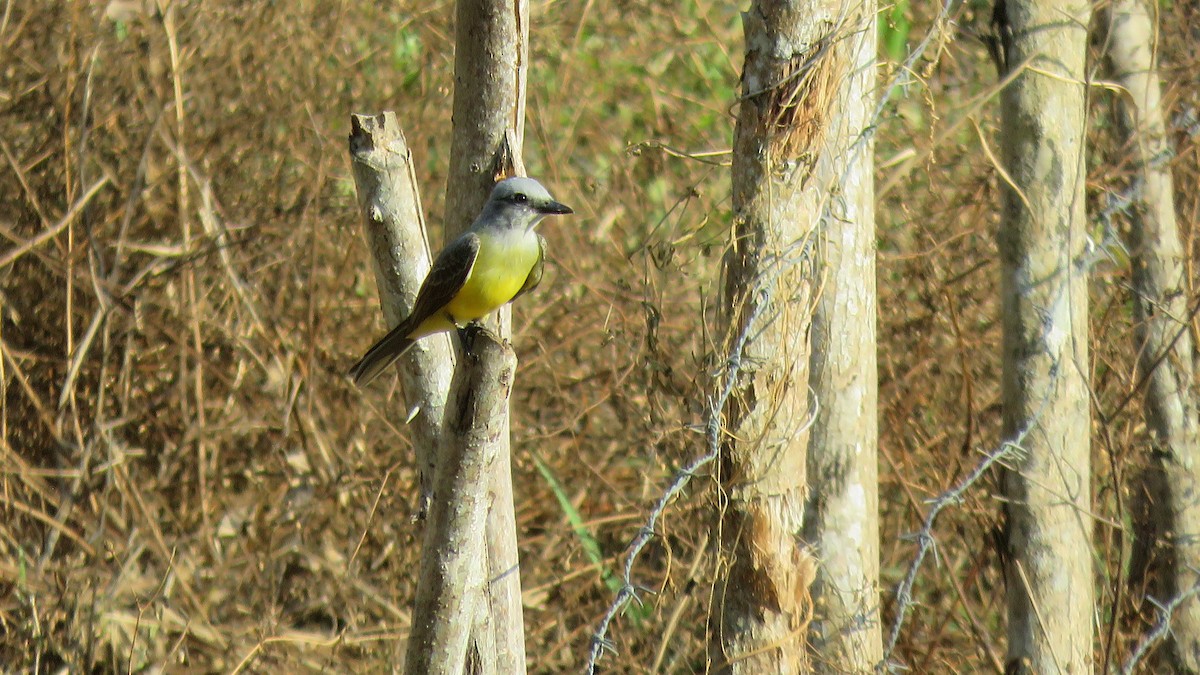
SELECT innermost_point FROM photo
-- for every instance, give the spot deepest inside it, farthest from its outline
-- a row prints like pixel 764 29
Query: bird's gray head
pixel 522 201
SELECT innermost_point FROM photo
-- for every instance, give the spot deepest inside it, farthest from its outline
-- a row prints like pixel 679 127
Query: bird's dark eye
pixel 520 198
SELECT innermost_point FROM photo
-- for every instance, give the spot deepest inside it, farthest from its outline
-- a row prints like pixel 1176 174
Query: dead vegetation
pixel 187 478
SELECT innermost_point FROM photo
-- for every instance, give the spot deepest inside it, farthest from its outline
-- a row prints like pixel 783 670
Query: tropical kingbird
pixel 498 259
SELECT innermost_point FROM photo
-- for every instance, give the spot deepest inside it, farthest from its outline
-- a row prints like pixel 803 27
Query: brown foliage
pixel 188 479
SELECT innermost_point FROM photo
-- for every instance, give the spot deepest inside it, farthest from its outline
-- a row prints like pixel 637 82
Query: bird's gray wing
pixel 450 271
pixel 535 274
pixel 445 279
pixel 447 276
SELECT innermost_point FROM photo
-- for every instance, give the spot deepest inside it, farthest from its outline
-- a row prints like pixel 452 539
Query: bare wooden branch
pixel 1042 246
pixel 1160 288
pixel 490 64
pixel 394 227
pixel 451 605
pixel 451 588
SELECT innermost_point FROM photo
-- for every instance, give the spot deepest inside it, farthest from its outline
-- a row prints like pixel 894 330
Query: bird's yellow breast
pixel 501 268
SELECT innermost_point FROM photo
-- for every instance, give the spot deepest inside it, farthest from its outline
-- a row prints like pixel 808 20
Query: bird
pixel 496 260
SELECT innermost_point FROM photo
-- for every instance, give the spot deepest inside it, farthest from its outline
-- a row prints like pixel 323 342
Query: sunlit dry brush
pixel 212 490
pixel 186 474
pixel 204 483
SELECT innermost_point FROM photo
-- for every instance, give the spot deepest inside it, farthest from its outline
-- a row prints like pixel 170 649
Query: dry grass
pixel 188 480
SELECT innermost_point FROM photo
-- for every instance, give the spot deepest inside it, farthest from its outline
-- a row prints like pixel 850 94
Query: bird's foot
pixel 471 332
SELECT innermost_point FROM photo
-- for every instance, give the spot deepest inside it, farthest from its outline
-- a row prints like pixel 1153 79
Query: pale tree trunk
pixel 452 573
pixel 394 228
pixel 842 516
pixel 1042 244
pixel 451 590
pixel 794 63
pixel 490 63
pixel 1164 342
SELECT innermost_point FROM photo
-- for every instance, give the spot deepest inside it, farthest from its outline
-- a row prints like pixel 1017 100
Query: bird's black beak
pixel 553 208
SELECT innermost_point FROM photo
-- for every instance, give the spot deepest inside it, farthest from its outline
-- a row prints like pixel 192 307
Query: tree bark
pixel 842 517
pixel 394 227
pixel 451 603
pixel 1163 339
pixel 1042 238
pixel 490 64
pixel 793 65
pixel 452 587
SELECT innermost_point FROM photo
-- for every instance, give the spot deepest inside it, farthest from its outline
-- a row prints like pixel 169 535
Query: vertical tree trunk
pixel 793 65
pixel 843 513
pixel 490 63
pixel 1045 387
pixel 491 53
pixel 452 588
pixel 1164 341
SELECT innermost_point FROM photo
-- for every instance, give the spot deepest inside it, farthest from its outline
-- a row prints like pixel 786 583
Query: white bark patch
pixel 1058 325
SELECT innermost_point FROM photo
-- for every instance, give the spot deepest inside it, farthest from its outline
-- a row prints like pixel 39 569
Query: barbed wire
pixel 1160 630
pixel 1010 449
pixel 712 433
pixel 926 542
pixel 733 366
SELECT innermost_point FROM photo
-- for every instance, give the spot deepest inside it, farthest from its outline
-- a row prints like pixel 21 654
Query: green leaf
pixel 591 547
pixel 894 29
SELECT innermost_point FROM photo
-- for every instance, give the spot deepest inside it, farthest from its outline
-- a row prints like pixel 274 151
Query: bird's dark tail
pixel 383 354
